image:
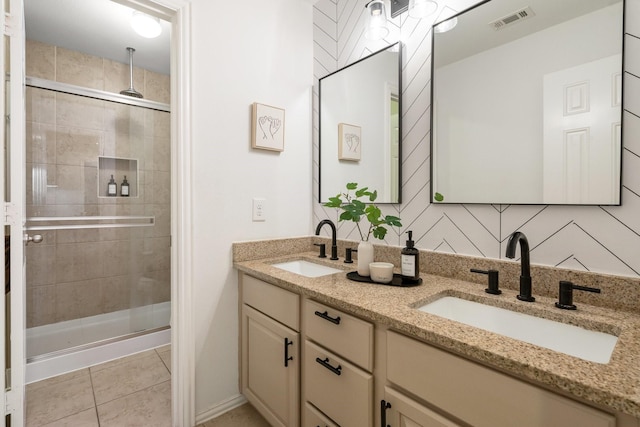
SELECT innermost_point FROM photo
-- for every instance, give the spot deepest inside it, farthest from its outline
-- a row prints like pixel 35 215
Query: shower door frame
pixel 178 12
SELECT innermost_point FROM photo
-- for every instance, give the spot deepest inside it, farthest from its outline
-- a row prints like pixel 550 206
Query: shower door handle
pixel 36 238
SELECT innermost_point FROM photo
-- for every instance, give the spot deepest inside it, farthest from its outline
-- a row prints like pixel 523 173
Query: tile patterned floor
pixel 242 416
pixel 132 391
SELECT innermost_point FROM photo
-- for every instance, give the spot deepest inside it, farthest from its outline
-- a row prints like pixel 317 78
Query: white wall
pixel 243 52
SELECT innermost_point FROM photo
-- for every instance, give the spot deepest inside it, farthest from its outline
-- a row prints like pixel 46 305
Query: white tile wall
pixel 588 238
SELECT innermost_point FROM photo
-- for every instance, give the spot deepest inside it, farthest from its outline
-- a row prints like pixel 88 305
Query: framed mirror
pixel 360 129
pixel 527 103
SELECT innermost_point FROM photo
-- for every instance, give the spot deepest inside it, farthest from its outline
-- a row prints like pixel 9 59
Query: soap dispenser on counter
pixel 410 264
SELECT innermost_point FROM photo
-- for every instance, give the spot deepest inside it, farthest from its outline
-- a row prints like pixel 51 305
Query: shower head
pixel 131 91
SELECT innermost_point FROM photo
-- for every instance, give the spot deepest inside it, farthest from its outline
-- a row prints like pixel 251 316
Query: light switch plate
pixel 259 209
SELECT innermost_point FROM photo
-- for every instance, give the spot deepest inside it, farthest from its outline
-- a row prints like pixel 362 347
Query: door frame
pixel 178 12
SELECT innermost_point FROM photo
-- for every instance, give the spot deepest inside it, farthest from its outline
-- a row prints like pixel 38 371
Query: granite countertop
pixel 615 385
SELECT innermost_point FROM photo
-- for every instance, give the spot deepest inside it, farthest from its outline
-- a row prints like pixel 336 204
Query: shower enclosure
pixel 102 269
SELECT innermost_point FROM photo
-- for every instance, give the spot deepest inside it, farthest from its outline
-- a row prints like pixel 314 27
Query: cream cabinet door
pixel 397 410
pixel 270 368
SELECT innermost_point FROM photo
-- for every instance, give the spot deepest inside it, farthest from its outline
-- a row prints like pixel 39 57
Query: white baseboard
pixel 220 408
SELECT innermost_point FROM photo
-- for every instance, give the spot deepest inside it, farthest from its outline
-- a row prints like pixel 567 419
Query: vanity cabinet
pixel 478 395
pixel 398 410
pixel 270 351
pixel 338 360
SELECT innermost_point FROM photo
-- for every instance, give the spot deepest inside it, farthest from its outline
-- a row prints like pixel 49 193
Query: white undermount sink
pixel 568 339
pixel 307 268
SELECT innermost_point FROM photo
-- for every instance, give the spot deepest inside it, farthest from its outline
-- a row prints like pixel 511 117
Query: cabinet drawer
pixel 339 389
pixel 315 418
pixel 344 334
pixel 404 411
pixel 478 395
pixel 273 301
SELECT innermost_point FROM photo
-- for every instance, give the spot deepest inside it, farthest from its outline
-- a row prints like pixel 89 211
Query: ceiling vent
pixel 512 18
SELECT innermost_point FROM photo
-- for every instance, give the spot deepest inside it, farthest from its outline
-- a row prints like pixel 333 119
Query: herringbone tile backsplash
pixel 589 238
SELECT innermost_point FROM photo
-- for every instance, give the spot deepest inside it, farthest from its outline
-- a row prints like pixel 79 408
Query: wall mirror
pixel 360 135
pixel 527 104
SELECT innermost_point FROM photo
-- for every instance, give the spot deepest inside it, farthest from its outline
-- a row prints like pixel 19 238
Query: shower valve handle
pixel 36 238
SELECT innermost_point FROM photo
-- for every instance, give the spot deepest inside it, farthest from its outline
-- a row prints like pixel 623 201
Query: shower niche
pixel 120 169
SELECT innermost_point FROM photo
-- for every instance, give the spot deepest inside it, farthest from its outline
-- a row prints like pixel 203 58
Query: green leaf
pixel 379 232
pixel 352 185
pixel 393 221
pixel 348 216
pixel 438 197
pixel 373 196
pixel 334 202
pixel 361 192
pixel 359 206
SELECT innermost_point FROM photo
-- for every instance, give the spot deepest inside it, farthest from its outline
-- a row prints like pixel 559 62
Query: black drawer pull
pixel 326 364
pixel 287 343
pixel 384 405
pixel 326 316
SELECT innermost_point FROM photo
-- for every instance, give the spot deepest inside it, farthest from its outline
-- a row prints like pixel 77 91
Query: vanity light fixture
pixel 422 8
pixel 377 20
pixel 447 25
pixel 145 25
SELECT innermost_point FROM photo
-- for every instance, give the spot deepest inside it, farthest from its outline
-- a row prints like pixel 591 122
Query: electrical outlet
pixel 259 209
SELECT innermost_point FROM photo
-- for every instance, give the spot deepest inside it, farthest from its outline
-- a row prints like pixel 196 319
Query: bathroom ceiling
pixel 96 27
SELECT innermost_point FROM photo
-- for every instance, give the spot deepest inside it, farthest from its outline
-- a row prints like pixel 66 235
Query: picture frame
pixel 349 142
pixel 267 127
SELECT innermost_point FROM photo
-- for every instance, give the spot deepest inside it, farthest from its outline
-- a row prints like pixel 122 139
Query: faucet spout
pixel 525 267
pixel 334 245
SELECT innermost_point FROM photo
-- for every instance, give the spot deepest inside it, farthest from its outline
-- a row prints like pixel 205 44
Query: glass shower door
pixel 98 192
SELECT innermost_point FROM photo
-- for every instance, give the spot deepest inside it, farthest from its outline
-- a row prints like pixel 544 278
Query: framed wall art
pixel 267 127
pixel 349 142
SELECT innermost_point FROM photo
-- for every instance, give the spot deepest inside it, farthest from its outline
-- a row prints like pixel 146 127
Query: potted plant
pixel 354 209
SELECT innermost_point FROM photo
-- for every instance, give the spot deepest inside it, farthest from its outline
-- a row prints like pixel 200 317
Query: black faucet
pixel 334 245
pixel 525 274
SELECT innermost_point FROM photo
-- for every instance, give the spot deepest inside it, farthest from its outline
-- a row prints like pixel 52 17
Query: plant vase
pixel 365 257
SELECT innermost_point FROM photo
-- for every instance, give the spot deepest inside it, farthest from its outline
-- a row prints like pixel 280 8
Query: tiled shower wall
pixel 588 238
pixel 78 273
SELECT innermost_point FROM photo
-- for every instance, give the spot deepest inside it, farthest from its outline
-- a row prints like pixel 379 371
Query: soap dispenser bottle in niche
pixel 410 264
pixel 112 188
pixel 124 187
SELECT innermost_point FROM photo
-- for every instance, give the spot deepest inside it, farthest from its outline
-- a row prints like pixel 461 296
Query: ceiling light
pixel 422 8
pixel 445 26
pixel 377 20
pixel 145 25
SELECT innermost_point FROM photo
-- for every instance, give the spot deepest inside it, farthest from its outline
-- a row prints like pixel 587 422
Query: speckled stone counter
pixel 615 385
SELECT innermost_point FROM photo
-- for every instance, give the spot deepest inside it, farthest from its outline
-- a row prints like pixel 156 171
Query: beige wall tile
pixel 75 300
pixel 157 123
pixel 79 69
pixel 41 305
pixel 40 181
pixel 40 264
pixel 79 261
pixel 157 87
pixel 40 106
pixel 117 77
pixel 158 153
pixel 40 143
pixel 115 291
pixel 77 185
pixel 40 60
pixel 78 146
pixel 79 112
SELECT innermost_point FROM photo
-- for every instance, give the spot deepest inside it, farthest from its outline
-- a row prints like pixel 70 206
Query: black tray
pixel 396 281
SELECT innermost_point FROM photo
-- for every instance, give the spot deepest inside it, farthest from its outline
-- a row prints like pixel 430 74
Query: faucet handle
pixel 323 250
pixel 348 259
pixel 493 280
pixel 565 294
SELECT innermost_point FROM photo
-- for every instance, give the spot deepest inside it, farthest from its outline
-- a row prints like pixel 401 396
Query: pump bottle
pixel 410 262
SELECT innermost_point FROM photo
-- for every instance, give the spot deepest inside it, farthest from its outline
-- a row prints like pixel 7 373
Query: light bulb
pixel 422 8
pixel 145 25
